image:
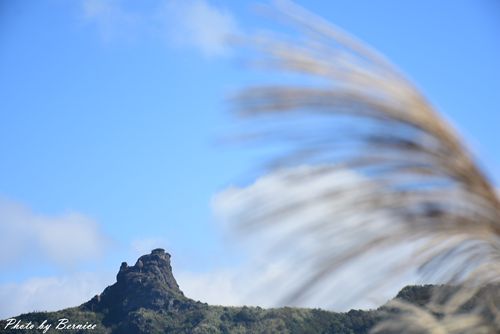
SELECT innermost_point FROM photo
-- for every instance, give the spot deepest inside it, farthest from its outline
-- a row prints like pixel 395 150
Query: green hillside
pixel 147 299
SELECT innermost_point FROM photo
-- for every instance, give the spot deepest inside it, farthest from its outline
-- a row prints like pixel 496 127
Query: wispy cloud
pixel 195 24
pixel 64 240
pixel 111 19
pixel 50 293
pixel 199 24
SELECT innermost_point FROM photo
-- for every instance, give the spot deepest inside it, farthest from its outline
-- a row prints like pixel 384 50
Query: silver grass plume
pixel 351 111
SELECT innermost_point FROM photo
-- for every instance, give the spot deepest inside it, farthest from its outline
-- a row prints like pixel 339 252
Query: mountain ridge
pixel 147 299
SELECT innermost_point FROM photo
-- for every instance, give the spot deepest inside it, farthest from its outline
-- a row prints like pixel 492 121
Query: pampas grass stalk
pixel 414 172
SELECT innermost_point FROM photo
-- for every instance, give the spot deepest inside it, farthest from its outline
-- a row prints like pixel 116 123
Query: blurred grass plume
pixel 379 169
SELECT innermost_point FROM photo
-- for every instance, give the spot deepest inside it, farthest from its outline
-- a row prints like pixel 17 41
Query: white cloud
pixel 237 286
pixel 285 251
pixel 265 285
pixel 50 293
pixel 199 24
pixel 111 18
pixel 219 287
pixel 192 23
pixel 66 239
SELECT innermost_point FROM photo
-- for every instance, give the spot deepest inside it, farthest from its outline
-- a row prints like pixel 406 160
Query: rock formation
pixel 149 284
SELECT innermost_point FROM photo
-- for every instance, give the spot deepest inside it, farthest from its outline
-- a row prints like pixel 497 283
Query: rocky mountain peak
pixel 150 271
pixel 149 284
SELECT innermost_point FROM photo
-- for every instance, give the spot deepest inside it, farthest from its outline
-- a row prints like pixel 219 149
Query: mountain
pixel 147 299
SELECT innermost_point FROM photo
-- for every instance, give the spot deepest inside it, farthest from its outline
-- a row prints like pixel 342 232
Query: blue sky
pixel 110 113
